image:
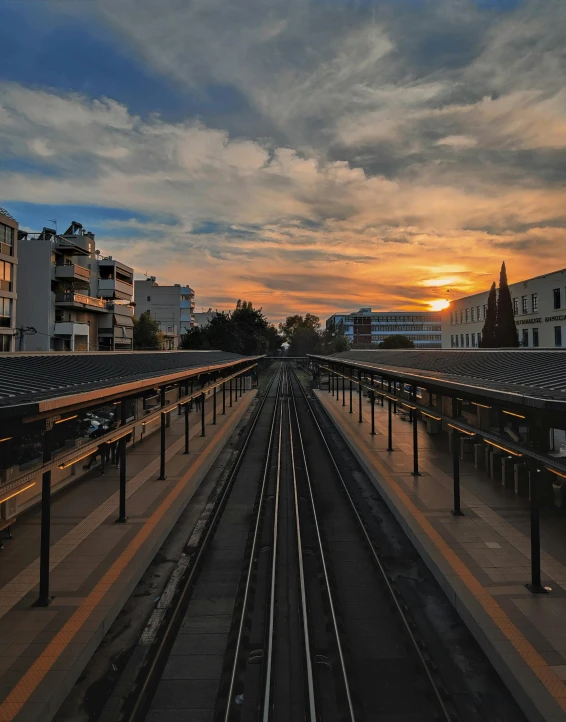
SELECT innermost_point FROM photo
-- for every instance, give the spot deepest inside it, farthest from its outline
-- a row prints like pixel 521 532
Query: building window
pixel 149 298
pixel 6 239
pixel 515 306
pixel 473 340
pixel 5 276
pixel 473 314
pixel 479 339
pixel 524 304
pixel 452 341
pixel 467 315
pixel 556 294
pixel 451 318
pixel 558 335
pixel 525 339
pixel 5 343
pixel 462 340
pixel 535 337
pixel 467 340
pixel 5 312
pixel 484 311
pixel 479 313
pixel 461 316
pixel 534 299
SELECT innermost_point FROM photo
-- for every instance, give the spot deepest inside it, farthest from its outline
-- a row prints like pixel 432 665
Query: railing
pixel 71 297
pixel 72 269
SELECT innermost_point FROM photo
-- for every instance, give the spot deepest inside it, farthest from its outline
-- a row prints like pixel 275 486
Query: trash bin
pixel 508 471
pixel 495 460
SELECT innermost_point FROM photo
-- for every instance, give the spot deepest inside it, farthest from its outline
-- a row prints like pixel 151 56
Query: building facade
pixel 173 307
pixel 539 306
pixel 8 278
pixel 203 318
pixel 365 327
pixel 73 299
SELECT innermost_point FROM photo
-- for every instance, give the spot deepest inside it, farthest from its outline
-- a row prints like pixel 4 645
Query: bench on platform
pixel 6 525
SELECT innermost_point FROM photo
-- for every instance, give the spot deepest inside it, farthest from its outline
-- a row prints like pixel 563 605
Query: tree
pixel 489 332
pixel 334 339
pixel 302 334
pixel 397 341
pixel 146 332
pixel 245 331
pixel 506 331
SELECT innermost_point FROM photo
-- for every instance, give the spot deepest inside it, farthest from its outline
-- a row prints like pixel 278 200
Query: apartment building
pixel 539 306
pixel 8 273
pixel 173 307
pixel 73 299
pixel 371 327
pixel 203 318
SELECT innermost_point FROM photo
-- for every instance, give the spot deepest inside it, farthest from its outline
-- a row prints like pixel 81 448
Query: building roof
pixel 40 381
pixel 535 378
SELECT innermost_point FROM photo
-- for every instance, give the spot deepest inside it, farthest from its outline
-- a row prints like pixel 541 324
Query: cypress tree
pixel 488 336
pixel 506 331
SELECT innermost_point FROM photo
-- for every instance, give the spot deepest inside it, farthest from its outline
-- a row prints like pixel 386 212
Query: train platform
pixel 95 562
pixel 481 559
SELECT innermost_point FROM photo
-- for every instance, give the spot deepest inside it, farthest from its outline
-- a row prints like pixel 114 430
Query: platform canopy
pixel 534 378
pixel 38 382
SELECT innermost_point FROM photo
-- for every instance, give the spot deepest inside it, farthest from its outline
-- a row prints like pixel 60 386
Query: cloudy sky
pixel 308 155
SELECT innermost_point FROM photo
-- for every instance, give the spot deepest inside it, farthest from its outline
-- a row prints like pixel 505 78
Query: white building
pixel 8 270
pixel 173 307
pixel 539 305
pixel 71 299
pixel 203 318
pixel 371 327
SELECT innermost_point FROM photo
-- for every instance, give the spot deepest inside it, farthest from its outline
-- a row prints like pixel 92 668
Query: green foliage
pixel 397 341
pixel 146 332
pixel 489 332
pixel 506 330
pixel 304 335
pixel 245 331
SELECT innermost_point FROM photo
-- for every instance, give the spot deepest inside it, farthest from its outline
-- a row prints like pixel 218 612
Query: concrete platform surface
pixel 481 559
pixel 95 563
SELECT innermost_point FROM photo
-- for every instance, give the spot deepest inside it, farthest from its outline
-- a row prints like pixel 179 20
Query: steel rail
pixel 253 553
pixel 334 620
pixel 305 620
pixel 142 697
pixel 378 563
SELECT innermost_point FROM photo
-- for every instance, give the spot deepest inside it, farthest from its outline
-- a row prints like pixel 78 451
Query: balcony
pixel 80 302
pixel 72 272
pixel 114 288
pixel 69 328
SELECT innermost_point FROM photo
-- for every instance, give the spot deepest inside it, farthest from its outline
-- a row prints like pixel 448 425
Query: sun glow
pixel 439 305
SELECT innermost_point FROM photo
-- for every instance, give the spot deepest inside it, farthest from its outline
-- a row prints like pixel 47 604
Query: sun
pixel 439 305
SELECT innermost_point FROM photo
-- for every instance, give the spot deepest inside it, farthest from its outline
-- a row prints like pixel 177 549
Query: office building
pixel 539 306
pixel 8 273
pixel 73 299
pixel 367 327
pixel 173 307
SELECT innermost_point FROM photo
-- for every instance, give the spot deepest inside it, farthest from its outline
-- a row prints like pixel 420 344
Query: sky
pixel 306 155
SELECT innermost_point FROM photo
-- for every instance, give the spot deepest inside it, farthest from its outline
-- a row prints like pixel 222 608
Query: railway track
pixel 289 613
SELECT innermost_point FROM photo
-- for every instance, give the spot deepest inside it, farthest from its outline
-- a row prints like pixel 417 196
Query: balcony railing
pixel 72 271
pixel 72 298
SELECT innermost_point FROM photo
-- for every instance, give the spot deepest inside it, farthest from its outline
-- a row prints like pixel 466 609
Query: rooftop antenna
pixel 53 220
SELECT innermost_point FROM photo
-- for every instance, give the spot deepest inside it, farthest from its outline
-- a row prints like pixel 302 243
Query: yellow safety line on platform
pixel 533 659
pixel 38 670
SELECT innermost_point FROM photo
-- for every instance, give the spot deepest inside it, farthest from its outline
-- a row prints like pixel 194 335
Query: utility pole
pixel 21 332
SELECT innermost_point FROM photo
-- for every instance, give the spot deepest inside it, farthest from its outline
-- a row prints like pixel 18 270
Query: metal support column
pixel 360 394
pixel 202 402
pixel 343 389
pixel 186 428
pixel 230 393
pixel 214 406
pixel 389 425
pixel 223 398
pixel 44 599
pixel 534 483
pixel 457 511
pixel 415 471
pixel 373 413
pixel 162 476
pixel 351 387
pixel 122 518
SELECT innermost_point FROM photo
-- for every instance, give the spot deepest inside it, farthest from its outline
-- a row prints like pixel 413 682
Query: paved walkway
pixel 95 563
pixel 482 559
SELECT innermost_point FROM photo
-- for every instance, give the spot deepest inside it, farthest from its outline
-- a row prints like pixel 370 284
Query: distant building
pixel 539 305
pixel 173 307
pixel 203 318
pixel 73 299
pixel 8 273
pixel 371 327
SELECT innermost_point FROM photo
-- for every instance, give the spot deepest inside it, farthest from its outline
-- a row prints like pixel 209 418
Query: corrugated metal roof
pixel 28 378
pixel 536 374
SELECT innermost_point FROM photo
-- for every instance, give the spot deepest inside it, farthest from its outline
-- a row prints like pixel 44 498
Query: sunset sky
pixel 307 155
